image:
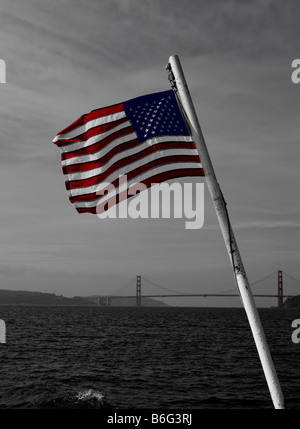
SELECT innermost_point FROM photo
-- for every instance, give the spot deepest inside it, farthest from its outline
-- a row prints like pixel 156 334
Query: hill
pixel 17 297
pixel 292 302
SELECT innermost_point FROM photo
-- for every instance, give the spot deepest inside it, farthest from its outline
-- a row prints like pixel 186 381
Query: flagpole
pixel 179 85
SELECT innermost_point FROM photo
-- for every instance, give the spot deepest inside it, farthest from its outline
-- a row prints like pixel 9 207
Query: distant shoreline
pixel 30 298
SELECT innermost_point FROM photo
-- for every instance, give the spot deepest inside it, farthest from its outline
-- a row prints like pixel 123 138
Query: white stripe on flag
pixel 98 155
pixel 94 139
pixel 90 124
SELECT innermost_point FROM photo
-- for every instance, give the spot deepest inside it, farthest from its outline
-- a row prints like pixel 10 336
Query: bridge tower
pixel 138 291
pixel 280 288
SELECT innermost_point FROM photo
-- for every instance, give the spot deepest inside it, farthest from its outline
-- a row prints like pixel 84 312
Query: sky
pixel 66 58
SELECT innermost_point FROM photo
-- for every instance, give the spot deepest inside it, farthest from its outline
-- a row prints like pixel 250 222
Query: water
pixel 125 358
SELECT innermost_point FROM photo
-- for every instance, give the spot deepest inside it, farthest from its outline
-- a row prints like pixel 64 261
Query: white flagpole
pixel 178 81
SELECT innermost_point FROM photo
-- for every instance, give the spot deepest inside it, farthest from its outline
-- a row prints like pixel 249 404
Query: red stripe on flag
pixel 94 114
pixel 100 129
pixel 96 147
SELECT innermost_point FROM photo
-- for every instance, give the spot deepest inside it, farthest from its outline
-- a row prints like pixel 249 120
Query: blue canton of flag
pixel 155 115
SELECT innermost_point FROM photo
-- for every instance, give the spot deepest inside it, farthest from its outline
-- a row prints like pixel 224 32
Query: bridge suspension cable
pixel 182 293
pixel 292 278
pixel 131 282
pixel 263 278
pixel 162 287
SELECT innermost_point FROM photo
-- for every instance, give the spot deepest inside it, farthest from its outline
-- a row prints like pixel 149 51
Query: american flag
pixel 145 138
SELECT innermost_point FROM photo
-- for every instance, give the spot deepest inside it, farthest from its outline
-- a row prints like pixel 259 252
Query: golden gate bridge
pixel 107 300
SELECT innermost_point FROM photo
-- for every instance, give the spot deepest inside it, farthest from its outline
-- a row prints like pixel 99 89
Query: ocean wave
pixel 90 395
pixel 84 399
